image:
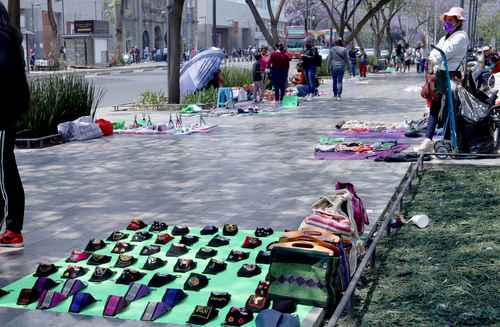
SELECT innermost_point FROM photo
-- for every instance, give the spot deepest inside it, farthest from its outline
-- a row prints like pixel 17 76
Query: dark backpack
pixel 318 61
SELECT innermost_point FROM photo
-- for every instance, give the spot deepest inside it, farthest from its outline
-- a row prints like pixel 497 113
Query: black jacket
pixel 309 57
pixel 14 90
pixel 256 72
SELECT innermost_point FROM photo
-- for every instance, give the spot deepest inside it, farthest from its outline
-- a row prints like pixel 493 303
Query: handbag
pixel 306 271
pixel 359 211
pixel 428 91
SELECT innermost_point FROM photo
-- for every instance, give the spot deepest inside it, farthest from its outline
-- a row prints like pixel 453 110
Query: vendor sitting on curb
pixel 299 80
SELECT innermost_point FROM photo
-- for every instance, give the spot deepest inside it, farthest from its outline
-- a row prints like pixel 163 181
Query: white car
pixel 324 53
pixel 370 52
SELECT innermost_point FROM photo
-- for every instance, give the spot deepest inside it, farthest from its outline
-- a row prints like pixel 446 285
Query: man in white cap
pixel 454 44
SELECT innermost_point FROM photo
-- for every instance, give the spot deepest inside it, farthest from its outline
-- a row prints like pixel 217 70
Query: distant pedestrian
pixel 337 61
pixel 15 101
pixel 280 64
pixel 310 59
pixel 257 78
pixel 419 59
pixel 408 59
pixel 264 66
pixel 363 63
pixel 353 58
pixel 399 57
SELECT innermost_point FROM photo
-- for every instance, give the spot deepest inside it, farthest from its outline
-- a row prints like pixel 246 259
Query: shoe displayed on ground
pixel 426 146
pixel 11 240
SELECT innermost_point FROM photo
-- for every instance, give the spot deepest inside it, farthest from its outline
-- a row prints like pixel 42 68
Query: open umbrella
pixel 200 70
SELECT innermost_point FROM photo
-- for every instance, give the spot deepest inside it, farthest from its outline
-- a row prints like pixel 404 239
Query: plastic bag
pixel 471 109
pixel 80 129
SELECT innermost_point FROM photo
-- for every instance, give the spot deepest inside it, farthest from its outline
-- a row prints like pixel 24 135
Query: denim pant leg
pixel 353 69
pixel 339 80
pixel 311 79
pixel 432 120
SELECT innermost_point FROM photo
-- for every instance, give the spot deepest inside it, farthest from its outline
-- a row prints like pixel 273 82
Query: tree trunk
pixel 260 22
pixel 15 13
pixel 275 33
pixel 54 40
pixel 120 12
pixel 356 30
pixel 174 50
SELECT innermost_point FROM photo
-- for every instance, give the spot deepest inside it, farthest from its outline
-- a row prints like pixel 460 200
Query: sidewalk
pixel 253 171
pixel 101 71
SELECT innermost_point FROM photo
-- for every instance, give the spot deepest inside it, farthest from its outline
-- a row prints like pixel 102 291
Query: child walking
pixel 258 85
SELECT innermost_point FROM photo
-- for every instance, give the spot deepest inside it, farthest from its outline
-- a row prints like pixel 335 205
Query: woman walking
pixel 338 59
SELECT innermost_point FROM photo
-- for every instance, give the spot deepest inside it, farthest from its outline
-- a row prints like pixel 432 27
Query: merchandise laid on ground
pixel 358 140
pixel 207 276
pixel 350 149
pixel 289 103
pixel 169 274
pixel 175 126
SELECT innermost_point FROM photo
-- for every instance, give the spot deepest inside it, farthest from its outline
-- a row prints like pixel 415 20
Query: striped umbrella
pixel 200 70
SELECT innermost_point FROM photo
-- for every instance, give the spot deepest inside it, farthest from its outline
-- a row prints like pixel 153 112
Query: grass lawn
pixel 449 273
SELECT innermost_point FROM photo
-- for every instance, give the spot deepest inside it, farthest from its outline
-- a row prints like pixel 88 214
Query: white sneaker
pixel 308 97
pixel 426 146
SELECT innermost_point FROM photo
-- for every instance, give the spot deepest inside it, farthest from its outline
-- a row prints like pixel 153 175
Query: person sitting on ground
pixel 454 44
pixel 15 101
pixel 217 81
pixel 299 80
pixel 258 86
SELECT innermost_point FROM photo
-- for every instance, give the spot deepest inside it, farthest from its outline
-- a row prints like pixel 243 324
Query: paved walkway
pixel 252 171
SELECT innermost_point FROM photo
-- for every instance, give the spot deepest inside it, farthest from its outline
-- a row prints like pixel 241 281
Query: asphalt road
pixel 127 87
pixel 124 87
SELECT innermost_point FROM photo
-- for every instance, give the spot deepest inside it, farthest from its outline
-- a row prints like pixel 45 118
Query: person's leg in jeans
pixel 283 83
pixel 334 83
pixel 11 190
pixel 311 79
pixel 276 84
pixel 353 69
pixel 302 90
pixel 432 120
pixel 340 77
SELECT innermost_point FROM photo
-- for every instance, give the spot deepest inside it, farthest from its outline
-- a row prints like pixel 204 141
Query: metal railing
pixel 380 229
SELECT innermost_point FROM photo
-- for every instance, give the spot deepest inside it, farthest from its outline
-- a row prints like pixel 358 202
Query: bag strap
pixel 310 239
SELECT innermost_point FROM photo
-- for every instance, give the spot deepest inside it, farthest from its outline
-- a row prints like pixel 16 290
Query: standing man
pixel 15 101
pixel 279 63
pixel 338 59
pixel 310 59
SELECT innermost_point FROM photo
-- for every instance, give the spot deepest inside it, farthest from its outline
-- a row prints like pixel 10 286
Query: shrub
pixel 152 98
pixel 234 76
pixel 58 99
pixel 372 61
pixel 204 97
pixel 323 69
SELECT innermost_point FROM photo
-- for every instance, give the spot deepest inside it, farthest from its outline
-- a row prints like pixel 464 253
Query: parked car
pixel 324 53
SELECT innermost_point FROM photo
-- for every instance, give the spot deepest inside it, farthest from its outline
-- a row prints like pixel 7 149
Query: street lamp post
pixel 214 27
pixel 331 27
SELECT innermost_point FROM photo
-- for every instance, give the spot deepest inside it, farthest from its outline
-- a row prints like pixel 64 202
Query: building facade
pixel 236 27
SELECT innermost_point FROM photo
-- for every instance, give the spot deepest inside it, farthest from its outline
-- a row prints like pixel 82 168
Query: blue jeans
pixel 279 78
pixel 353 69
pixel 311 78
pixel 337 78
pixel 302 90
